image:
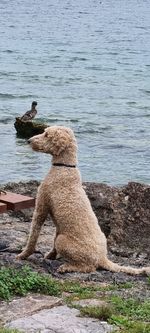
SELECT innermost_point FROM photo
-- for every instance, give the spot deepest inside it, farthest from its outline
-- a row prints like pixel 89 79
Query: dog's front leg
pixel 39 216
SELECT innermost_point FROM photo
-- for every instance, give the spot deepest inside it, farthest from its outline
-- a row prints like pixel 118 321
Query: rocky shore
pixel 124 216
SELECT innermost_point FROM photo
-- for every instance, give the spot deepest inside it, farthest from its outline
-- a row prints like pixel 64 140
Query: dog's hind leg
pixel 82 268
pixel 69 250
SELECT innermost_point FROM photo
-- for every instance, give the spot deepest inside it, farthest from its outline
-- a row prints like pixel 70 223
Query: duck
pixel 29 115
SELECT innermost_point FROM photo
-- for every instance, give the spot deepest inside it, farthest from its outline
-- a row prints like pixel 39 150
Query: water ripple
pixel 87 64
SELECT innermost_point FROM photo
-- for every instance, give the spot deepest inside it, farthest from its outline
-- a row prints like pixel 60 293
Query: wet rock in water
pixel 27 129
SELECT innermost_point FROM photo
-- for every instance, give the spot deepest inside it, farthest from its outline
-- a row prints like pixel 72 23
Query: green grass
pixel 24 280
pixel 100 312
pixel 130 326
pixel 133 316
pixel 8 330
pixel 20 282
pixel 131 308
pixel 129 315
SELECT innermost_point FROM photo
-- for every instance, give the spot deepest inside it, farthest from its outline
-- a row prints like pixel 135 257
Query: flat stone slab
pixel 24 306
pixel 59 320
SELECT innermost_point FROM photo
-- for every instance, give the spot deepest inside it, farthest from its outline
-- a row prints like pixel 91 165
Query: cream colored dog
pixel 79 238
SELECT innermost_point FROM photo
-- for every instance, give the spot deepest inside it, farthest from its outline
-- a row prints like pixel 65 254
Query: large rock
pixel 27 129
pixel 123 214
pixel 60 319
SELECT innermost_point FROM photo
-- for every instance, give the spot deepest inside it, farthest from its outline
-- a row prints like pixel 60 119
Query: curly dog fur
pixel 79 238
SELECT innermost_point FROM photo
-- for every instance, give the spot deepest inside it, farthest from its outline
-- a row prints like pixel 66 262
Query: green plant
pixel 22 281
pixel 131 308
pixel 100 312
pixel 8 330
pixel 129 315
pixel 148 280
pixel 131 327
pixel 78 290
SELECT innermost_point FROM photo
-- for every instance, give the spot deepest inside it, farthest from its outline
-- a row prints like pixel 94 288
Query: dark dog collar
pixel 64 165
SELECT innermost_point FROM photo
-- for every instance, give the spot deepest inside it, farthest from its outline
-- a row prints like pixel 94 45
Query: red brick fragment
pixel 3 208
pixel 17 201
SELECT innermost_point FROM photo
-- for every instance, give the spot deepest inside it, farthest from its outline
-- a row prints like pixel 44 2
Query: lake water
pixel 87 63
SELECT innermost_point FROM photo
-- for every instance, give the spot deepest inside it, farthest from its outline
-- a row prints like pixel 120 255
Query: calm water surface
pixel 88 66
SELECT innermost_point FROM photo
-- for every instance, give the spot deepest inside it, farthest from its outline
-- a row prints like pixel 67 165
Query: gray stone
pixel 60 320
pixel 23 306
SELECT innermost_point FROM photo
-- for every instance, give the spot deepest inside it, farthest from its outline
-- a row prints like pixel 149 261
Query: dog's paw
pixel 51 255
pixel 147 271
pixel 21 256
pixel 62 269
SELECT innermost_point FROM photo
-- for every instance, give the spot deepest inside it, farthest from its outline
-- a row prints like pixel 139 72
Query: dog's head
pixel 55 140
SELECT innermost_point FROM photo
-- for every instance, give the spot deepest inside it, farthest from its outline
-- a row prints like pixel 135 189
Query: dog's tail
pixel 114 267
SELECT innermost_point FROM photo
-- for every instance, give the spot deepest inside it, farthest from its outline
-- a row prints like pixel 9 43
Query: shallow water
pixel 88 66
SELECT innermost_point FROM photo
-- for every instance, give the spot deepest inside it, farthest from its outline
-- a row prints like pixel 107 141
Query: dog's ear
pixel 60 141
